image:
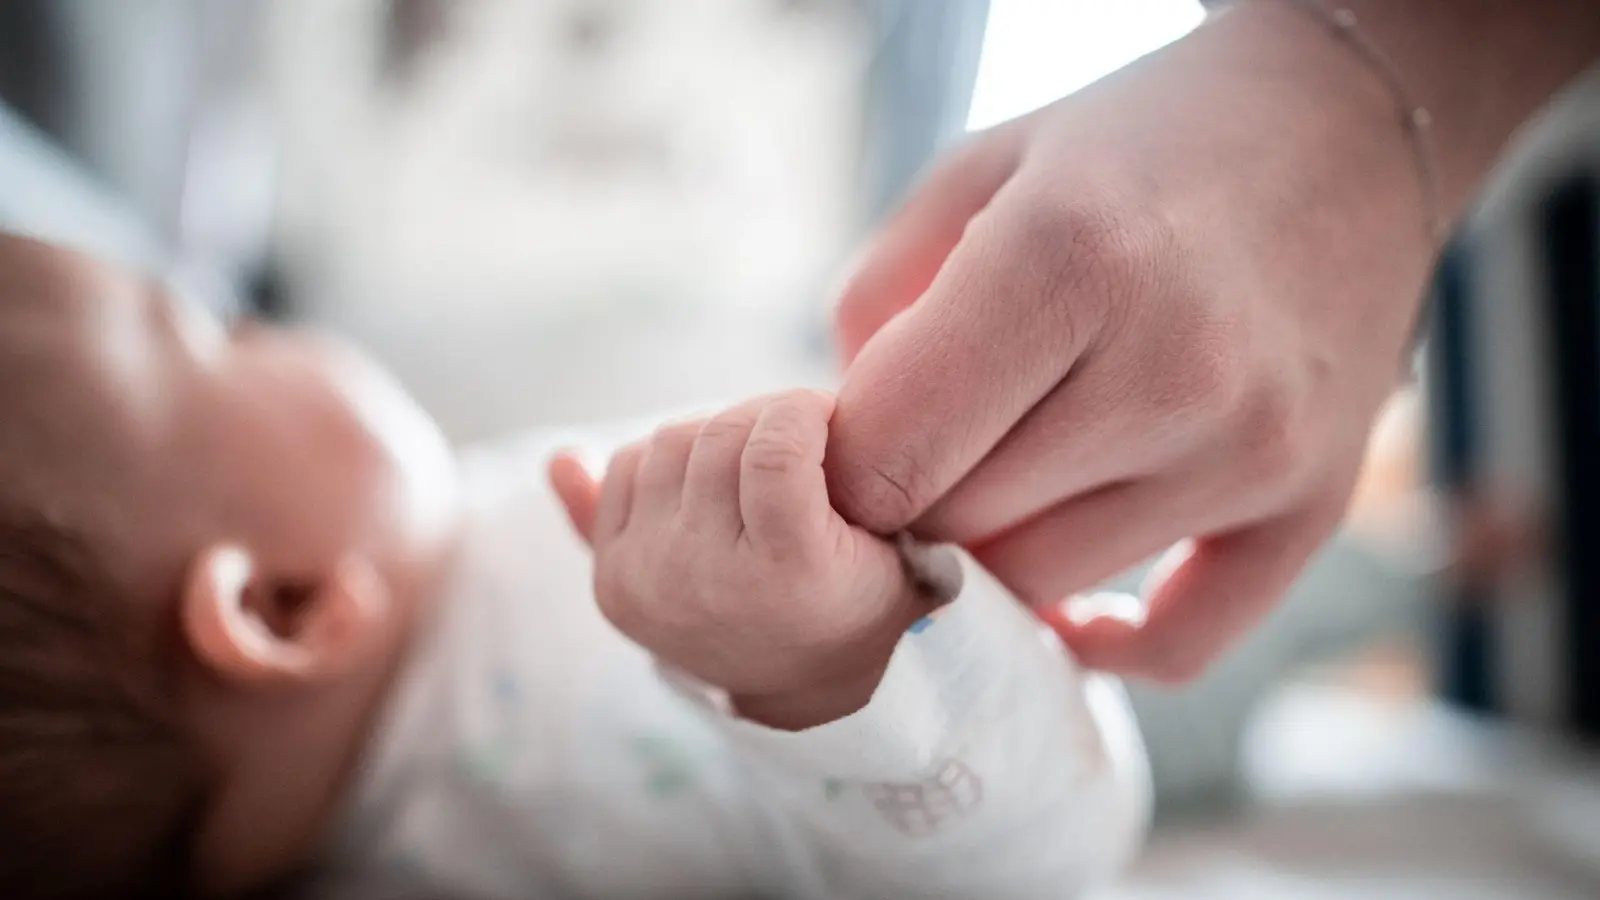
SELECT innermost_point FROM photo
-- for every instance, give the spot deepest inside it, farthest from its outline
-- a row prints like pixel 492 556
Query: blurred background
pixel 569 211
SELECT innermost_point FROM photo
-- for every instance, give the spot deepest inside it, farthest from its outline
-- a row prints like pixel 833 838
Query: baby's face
pixel 144 422
pixel 270 498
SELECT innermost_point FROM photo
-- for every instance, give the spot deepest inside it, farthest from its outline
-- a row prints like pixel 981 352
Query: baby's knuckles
pixel 747 617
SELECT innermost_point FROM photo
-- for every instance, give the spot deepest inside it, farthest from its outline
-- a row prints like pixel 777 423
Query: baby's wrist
pixel 845 681
pixel 812 705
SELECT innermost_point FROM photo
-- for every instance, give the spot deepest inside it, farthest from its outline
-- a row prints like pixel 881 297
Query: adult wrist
pixel 1480 67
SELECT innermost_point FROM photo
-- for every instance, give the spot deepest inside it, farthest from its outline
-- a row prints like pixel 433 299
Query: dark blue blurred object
pixel 1515 380
pixel 1466 636
pixel 1569 239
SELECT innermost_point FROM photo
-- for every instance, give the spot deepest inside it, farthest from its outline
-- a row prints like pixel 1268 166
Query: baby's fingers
pixel 658 492
pixel 782 495
pixel 711 487
pixel 616 495
pixel 578 490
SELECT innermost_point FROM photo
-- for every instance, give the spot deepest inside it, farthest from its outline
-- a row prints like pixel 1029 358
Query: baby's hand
pixel 716 549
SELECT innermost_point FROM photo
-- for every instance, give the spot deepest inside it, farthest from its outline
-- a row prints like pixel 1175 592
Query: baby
pixel 258 624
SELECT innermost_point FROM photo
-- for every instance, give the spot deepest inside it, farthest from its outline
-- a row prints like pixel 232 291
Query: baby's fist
pixel 716 549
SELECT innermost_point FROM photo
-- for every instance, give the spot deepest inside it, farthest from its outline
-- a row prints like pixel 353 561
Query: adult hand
pixel 1162 313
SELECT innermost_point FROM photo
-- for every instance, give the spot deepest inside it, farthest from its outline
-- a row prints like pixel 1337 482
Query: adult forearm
pixel 1480 67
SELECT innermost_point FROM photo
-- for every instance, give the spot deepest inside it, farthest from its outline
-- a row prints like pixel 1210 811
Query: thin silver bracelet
pixel 1415 120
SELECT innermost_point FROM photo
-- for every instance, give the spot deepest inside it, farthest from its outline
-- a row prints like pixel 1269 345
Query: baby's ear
pixel 247 626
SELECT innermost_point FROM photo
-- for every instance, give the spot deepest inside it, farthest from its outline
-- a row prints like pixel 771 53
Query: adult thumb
pixel 901 263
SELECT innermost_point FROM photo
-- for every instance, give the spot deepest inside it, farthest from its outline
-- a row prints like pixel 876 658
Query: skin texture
pixel 716 549
pixel 269 498
pixel 1163 312
pixel 277 504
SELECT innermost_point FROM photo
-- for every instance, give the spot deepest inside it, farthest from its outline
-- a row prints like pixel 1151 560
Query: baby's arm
pixel 965 758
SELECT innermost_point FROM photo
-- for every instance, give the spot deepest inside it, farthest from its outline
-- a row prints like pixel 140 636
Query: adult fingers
pixel 1216 590
pixel 782 495
pixel 907 254
pixel 1084 541
pixel 1088 432
pixel 1026 290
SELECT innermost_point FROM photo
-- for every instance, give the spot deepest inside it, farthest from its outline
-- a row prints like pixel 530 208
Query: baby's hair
pixel 100 787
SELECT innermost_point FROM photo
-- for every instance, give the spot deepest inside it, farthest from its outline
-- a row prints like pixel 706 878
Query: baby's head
pixel 212 546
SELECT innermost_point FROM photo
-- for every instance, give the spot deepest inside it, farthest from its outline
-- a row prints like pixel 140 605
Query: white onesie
pixel 530 751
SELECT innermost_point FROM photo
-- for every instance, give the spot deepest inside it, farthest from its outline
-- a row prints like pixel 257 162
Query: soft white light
pixel 1036 51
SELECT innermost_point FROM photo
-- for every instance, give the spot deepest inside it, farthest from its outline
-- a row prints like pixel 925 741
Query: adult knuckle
pixel 1054 222
pixel 1204 379
pixel 1103 246
pixel 1097 252
pixel 1273 434
pixel 1039 228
